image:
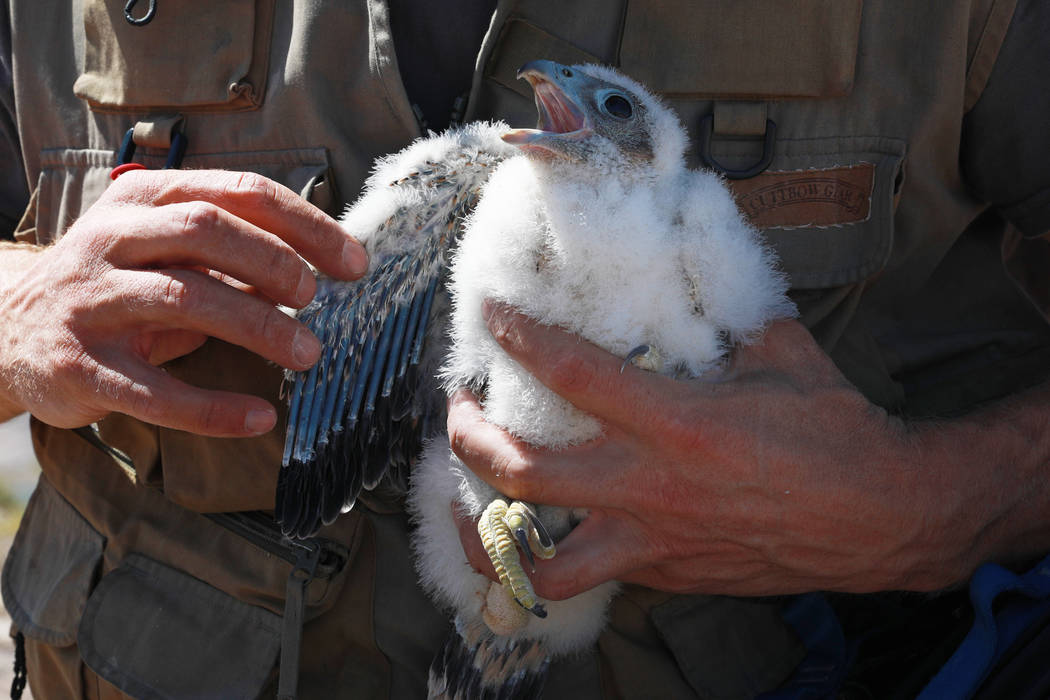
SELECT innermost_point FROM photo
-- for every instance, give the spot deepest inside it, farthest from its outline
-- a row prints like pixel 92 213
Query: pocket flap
pixel 191 55
pixel 743 48
pixel 51 567
pixel 728 647
pixel 825 205
pixel 155 632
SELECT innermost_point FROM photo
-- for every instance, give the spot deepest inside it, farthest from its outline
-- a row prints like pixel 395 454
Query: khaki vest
pixel 862 199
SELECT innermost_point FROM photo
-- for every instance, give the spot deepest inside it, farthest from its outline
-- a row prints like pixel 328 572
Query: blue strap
pixel 821 672
pixel 992 633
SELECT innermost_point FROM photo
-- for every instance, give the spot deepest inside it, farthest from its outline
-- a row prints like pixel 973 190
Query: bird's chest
pixel 601 261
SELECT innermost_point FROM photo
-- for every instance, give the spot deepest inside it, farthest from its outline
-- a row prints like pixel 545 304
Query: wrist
pixel 986 484
pixel 15 258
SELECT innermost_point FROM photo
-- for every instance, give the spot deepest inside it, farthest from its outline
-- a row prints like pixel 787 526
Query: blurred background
pixel 18 474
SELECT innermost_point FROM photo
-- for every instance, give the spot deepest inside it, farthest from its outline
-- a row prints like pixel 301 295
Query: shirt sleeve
pixel 14 194
pixel 1006 136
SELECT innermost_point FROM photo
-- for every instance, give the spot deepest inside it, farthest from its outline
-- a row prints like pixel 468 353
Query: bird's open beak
pixel 560 117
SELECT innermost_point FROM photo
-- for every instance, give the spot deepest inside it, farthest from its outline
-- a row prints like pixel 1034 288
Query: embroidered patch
pixel 807 198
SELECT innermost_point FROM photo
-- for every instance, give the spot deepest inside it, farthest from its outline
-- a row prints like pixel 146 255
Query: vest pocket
pixel 51 568
pixel 156 632
pixel 193 55
pixel 47 578
pixel 826 205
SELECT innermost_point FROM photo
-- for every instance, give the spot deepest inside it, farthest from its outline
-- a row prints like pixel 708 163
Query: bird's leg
pixel 503 528
pixel 644 357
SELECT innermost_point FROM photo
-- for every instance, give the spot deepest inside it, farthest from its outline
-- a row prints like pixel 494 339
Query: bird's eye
pixel 618 106
pixel 566 72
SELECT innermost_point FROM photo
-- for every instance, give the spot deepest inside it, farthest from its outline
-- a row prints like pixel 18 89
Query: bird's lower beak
pixel 559 114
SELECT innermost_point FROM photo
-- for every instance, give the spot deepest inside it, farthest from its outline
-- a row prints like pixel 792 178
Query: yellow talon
pixel 531 535
pixel 495 537
pixel 496 527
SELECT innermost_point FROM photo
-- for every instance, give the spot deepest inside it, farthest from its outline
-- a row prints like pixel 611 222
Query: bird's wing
pixel 362 411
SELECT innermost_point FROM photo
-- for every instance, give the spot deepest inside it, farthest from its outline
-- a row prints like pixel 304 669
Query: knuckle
pixel 175 293
pixel 198 219
pixel 253 188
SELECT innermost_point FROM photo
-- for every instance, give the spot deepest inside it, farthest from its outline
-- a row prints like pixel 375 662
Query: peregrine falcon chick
pixel 600 228
pixel 591 222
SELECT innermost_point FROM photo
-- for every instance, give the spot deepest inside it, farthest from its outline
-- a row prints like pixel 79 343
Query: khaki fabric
pixel 319 131
pixel 136 521
pixel 309 94
pixel 124 70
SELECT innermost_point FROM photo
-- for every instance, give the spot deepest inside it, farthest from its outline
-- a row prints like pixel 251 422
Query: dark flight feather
pixel 359 416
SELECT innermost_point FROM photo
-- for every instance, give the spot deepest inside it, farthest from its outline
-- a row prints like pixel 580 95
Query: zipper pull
pixel 304 571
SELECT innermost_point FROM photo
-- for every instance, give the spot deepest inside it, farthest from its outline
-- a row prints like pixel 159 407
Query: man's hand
pixel 163 260
pixel 779 477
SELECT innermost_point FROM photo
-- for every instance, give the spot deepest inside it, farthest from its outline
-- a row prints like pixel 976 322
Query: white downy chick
pixel 600 228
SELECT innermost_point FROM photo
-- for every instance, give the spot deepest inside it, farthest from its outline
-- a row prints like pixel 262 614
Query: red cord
pixel 123 168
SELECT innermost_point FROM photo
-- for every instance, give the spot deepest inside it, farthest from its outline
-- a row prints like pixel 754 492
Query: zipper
pixel 311 558
pixel 260 529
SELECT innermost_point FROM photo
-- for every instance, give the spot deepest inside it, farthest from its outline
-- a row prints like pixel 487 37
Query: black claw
pixel 637 352
pixel 523 541
pixel 544 537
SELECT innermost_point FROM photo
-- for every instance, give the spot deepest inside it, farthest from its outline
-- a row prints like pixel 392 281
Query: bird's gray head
pixel 594 114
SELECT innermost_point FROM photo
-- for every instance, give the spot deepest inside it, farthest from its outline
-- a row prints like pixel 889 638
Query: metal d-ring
pixel 175 152
pixel 707 127
pixel 144 19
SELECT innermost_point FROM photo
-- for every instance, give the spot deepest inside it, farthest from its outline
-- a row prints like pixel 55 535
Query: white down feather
pixel 619 253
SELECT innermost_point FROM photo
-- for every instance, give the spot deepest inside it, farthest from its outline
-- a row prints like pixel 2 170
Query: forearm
pixel 14 259
pixel 989 483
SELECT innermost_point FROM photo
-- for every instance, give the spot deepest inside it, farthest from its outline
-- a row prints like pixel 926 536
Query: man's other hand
pixel 777 477
pixel 162 261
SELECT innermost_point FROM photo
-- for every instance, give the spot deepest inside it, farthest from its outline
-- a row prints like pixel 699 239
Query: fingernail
pixel 305 291
pixel 305 347
pixel 354 258
pixel 488 309
pixel 259 421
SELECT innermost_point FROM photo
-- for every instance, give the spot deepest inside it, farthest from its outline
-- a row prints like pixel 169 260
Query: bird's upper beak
pixel 560 115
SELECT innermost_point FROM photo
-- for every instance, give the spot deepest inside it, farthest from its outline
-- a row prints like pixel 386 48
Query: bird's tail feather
pixel 474 663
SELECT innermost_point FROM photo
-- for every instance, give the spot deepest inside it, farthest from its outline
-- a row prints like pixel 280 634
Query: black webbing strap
pixel 294 610
pixel 18 683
